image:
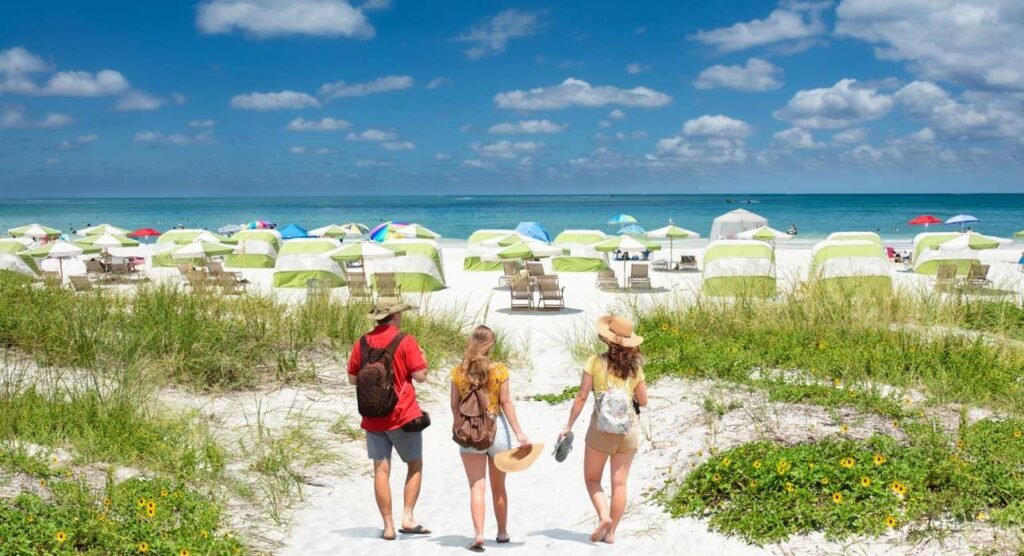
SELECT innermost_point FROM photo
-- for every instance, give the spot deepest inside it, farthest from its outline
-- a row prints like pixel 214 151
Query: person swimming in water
pixel 792 230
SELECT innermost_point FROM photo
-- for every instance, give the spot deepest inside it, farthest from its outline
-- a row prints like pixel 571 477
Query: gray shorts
pixel 502 439
pixel 408 444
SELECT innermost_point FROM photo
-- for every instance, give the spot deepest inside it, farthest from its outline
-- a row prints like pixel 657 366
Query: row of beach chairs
pixel 639 278
pixel 977 276
pixel 213 274
pixel 386 285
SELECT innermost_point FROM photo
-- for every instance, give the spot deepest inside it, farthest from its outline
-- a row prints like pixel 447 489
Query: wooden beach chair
pixel 511 269
pixel 216 270
pixel 535 269
pixel 387 285
pixel 230 284
pixel 945 276
pixel 687 262
pixel 358 288
pixel 552 297
pixel 80 283
pixel 522 294
pixel 977 276
pixel 606 280
pixel 51 279
pixel 196 280
pixel 639 276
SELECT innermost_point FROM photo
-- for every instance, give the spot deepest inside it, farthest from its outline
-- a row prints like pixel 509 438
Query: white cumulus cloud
pixel 77 142
pixel 617 114
pixel 284 100
pixel 138 101
pixel 756 75
pixel 324 124
pixel 635 68
pixel 717 126
pixel 202 123
pixel 795 21
pixel 372 135
pixel 851 136
pixel 796 138
pixel 507 149
pixel 492 35
pixel 271 18
pixel 576 92
pixel 984 118
pixel 438 82
pixel 398 145
pixel 341 89
pixel 178 139
pixel 527 126
pixel 16 117
pixel 85 84
pixel 845 103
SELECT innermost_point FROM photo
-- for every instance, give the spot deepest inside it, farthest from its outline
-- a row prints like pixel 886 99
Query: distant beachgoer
pixel 617 380
pixel 392 418
pixel 792 230
pixel 1020 262
pixel 477 371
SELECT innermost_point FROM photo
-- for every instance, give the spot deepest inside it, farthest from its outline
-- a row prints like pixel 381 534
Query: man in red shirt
pixel 385 433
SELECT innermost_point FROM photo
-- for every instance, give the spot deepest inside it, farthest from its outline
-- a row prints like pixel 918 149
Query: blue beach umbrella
pixel 292 231
pixel 534 230
pixel 962 219
pixel 632 230
pixel 621 220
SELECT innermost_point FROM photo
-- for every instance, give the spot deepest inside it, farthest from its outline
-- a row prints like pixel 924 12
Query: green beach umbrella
pixel 506 240
pixel 59 250
pixel 975 241
pixel 101 229
pixel 333 230
pixel 626 244
pixel 366 251
pixel 529 250
pixel 416 231
pixel 764 233
pixel 1019 234
pixel 104 241
pixel 13 245
pixel 202 249
pixel 355 229
pixel 182 237
pixel 34 231
pixel 672 233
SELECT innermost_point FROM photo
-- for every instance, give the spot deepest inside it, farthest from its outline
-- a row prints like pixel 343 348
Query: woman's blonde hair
pixel 475 363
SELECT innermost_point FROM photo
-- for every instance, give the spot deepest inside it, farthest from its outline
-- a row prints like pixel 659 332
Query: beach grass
pixel 765 492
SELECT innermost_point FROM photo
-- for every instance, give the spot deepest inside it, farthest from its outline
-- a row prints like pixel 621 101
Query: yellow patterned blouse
pixel 499 374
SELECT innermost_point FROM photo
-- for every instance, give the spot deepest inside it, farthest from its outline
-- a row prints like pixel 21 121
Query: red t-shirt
pixel 408 359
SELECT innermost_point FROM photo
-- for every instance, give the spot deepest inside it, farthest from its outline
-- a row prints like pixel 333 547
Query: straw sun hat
pixel 385 307
pixel 618 330
pixel 517 459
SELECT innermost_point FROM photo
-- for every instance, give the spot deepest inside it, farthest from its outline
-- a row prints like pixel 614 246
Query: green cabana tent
pixel 854 236
pixel 855 268
pixel 421 269
pixel 305 259
pixel 581 256
pixel 255 249
pixel 739 268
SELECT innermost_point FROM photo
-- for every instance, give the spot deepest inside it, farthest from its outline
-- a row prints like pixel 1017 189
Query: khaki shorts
pixel 608 443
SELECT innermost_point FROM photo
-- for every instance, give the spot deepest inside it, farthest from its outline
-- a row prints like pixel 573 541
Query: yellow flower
pixel 1018 434
pixel 879 459
pixel 30 519
pixel 865 482
pixel 151 505
pixel 790 488
pixel 151 512
pixel 757 464
pixel 844 429
pixel 664 328
pixel 61 536
pixel 896 424
pixel 753 484
pixel 143 547
pixel 204 534
pixel 824 480
pixel 726 462
pixel 823 345
pixel 183 552
pixel 106 502
pixel 675 330
pixel 42 482
pixel 837 383
pixel 55 460
pixel 851 392
pixel 782 467
pixel 141 502
pixel 716 477
pixel 959 442
pixel 982 516
pixel 847 462
pixel 898 488
pixel 164 493
pixel 837 497
pixel 891 522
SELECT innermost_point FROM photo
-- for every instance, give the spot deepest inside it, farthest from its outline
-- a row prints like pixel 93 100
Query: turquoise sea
pixel 457 216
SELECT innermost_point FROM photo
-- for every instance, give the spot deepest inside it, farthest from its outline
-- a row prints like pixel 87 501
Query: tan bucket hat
pixel 517 459
pixel 387 306
pixel 618 330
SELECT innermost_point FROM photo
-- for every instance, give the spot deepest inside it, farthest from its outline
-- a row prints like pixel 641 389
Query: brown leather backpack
pixel 375 381
pixel 473 427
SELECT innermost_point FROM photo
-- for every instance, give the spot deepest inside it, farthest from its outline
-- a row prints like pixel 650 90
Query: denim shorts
pixel 502 439
pixel 409 445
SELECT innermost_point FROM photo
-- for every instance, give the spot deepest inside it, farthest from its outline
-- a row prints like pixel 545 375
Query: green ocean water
pixel 457 216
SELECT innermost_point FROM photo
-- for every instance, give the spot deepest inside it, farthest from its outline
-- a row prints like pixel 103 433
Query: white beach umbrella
pixel 672 233
pixel 764 233
pixel 59 250
pixel 202 249
pixel 106 241
pixel 972 240
pixel 101 229
pixel 34 231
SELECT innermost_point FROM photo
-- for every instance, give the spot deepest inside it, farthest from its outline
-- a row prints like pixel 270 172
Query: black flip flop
pixel 387 538
pixel 476 547
pixel 500 540
pixel 418 530
pixel 563 447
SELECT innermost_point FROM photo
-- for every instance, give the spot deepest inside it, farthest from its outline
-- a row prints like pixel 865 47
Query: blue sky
pixel 326 97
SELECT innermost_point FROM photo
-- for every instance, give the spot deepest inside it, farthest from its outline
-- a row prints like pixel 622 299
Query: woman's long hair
pixel 623 362
pixel 475 363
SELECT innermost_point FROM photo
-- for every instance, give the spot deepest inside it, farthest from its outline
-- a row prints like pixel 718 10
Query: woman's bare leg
pixel 499 496
pixel 620 474
pixel 593 468
pixel 476 471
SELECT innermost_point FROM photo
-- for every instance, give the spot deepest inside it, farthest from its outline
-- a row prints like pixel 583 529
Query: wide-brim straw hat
pixel 385 307
pixel 618 330
pixel 517 459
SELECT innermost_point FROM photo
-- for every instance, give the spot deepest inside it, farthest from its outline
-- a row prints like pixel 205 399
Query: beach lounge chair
pixel 387 285
pixel 639 276
pixel 196 279
pixel 945 276
pixel 80 283
pixel 51 279
pixel 552 297
pixel 92 266
pixel 216 270
pixel 978 276
pixel 659 265
pixel 687 262
pixel 230 284
pixel 511 269
pixel 522 294
pixel 123 270
pixel 358 288
pixel 535 268
pixel 606 280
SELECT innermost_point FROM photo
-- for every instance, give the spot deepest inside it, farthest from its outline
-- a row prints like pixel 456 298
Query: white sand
pixel 549 507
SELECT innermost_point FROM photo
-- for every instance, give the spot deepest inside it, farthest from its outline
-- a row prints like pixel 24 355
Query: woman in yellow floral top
pixel 477 370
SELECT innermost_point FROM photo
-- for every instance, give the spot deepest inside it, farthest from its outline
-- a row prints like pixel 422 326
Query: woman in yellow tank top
pixel 478 370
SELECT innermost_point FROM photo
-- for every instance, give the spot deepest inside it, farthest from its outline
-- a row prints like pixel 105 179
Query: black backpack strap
pixel 393 346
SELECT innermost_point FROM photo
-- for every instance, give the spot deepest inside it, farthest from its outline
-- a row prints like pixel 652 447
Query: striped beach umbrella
pixel 626 244
pixel 365 251
pixel 529 250
pixel 764 233
pixel 401 230
pixel 971 240
pixel 34 231
pixel 671 233
pixel 200 249
pixel 101 229
pixel 59 250
pixel 105 241
pixel 621 220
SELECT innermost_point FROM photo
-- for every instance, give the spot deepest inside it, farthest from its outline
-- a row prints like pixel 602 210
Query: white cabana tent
pixel 739 268
pixel 305 259
pixel 730 224
pixel 852 267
